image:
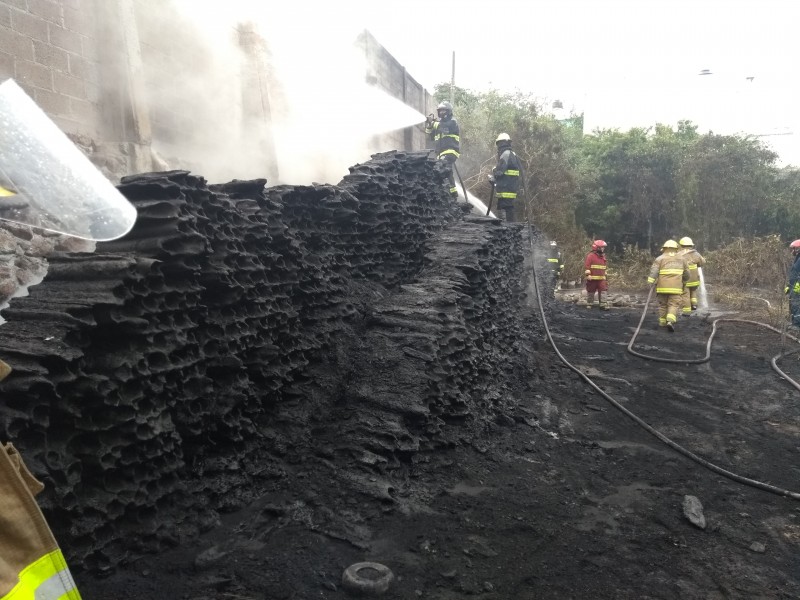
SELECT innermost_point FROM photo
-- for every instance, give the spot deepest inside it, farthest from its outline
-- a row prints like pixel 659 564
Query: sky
pixel 622 63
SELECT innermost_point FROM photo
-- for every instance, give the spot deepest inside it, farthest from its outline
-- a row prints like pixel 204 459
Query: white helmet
pixel 503 137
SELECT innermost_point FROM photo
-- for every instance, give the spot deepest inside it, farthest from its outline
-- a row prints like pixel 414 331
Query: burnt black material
pixel 157 379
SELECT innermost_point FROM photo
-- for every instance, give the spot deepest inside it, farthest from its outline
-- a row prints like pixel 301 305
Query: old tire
pixel 367 578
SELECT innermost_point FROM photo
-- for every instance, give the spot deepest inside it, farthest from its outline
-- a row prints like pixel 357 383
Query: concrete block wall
pixel 113 75
pixel 49 48
pixel 386 73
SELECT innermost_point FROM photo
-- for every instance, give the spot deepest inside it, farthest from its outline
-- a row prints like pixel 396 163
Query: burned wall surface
pixel 386 73
pixel 114 76
pixel 160 379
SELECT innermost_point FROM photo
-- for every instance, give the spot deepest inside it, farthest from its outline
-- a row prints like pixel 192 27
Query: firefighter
pixel 556 264
pixel 693 260
pixel 505 176
pixel 445 133
pixel 793 285
pixel 669 273
pixel 595 273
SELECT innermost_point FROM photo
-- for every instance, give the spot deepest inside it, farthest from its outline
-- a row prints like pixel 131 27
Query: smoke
pixel 315 115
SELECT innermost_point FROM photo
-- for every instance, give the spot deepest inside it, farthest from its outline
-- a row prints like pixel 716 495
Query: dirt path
pixel 565 498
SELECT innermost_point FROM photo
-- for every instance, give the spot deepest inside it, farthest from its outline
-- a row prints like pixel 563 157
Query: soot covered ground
pixel 563 497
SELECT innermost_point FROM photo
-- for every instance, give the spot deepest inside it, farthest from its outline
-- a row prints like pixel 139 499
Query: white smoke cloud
pixel 325 116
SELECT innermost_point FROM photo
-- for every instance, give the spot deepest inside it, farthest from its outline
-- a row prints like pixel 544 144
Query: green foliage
pixel 633 189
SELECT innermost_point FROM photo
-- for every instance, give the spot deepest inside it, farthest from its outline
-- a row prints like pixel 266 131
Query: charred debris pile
pixel 161 380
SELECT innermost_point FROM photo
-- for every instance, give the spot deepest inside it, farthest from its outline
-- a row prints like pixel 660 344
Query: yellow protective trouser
pixel 689 299
pixel 32 566
pixel 669 307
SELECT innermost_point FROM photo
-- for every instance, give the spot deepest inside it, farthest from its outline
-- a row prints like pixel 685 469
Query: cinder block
pixel 45 54
pixel 29 25
pixel 77 66
pixel 68 40
pixel 47 10
pixel 22 4
pixel 6 66
pixel 18 46
pixel 70 86
pixel 51 103
pixel 79 21
pixel 34 74
pixel 83 111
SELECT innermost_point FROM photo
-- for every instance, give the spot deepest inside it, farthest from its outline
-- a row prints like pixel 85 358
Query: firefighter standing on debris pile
pixel 595 274
pixel 505 176
pixel 793 284
pixel 693 260
pixel 669 273
pixel 445 133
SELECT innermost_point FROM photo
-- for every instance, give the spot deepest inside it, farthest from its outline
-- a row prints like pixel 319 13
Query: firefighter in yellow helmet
pixel 693 260
pixel 669 273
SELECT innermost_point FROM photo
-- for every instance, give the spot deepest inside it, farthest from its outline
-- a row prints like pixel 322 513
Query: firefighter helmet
pixel 503 137
pixel 686 241
pixel 670 244
pixel 598 245
pixel 446 108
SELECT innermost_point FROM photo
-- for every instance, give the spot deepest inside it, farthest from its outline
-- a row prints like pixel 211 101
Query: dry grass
pixel 746 276
pixel 629 271
pixel 747 264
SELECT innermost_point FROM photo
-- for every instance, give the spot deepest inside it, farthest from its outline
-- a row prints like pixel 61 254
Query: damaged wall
pixel 163 379
pixel 124 78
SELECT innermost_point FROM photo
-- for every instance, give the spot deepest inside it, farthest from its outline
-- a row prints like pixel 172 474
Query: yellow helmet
pixel 670 244
pixel 503 137
pixel 686 241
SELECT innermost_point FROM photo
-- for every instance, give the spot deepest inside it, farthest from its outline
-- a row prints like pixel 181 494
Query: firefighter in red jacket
pixel 669 273
pixel 595 274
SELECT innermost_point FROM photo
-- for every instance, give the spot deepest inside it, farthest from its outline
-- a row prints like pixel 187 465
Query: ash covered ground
pixel 560 496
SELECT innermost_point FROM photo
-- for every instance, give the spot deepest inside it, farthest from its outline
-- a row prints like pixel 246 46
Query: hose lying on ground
pixel 707 357
pixel 678 448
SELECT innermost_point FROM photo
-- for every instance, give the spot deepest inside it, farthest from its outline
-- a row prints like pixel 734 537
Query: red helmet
pixel 598 244
pixel 795 245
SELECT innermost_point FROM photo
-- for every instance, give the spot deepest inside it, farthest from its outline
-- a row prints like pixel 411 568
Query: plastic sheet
pixel 47 182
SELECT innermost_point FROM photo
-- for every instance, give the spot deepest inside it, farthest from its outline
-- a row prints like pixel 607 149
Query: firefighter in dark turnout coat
pixel 447 137
pixel 506 176
pixel 793 285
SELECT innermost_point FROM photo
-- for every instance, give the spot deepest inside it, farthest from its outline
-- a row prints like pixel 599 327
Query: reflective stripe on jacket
pixel 793 286
pixel 595 267
pixel 669 272
pixel 693 260
pixel 555 261
pixel 447 136
pixel 506 173
pixel 32 566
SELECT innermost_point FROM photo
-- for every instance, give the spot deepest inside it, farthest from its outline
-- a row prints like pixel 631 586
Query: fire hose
pixel 707 357
pixel 639 421
pixel 461 181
